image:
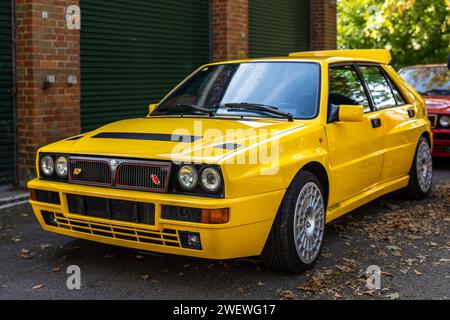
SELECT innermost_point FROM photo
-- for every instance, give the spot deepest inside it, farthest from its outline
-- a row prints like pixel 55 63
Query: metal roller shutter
pixel 278 27
pixel 133 52
pixel 7 128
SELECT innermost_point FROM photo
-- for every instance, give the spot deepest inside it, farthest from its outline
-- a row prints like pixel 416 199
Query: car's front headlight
pixel 47 166
pixel 54 166
pixel 198 179
pixel 211 179
pixel 444 121
pixel 188 177
pixel 61 167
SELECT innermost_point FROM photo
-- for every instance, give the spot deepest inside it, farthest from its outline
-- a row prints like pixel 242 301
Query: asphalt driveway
pixel 408 240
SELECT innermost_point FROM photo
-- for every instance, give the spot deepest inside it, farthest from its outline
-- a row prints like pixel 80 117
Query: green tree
pixel 416 31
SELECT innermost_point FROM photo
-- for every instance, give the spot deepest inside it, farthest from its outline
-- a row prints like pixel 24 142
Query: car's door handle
pixel 376 122
pixel 411 113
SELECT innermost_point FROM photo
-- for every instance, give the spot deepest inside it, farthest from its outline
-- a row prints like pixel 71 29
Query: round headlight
pixel 444 121
pixel 61 167
pixel 211 179
pixel 47 165
pixel 188 177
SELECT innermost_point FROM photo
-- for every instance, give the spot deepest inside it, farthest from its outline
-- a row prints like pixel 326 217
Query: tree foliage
pixel 416 31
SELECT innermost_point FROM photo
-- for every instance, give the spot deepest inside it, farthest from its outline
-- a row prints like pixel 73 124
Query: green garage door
pixel 278 27
pixel 133 52
pixel 6 102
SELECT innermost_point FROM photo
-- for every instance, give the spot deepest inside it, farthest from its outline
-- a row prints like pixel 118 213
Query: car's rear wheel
pixel 421 174
pixel 296 238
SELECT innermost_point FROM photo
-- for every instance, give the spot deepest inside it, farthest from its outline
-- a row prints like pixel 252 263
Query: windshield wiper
pixel 258 107
pixel 196 108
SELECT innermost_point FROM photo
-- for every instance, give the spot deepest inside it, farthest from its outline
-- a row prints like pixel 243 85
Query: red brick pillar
pixel 45 46
pixel 229 24
pixel 323 24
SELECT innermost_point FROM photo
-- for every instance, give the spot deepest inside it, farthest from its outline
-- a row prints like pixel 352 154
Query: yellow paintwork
pixel 362 163
pixel 350 113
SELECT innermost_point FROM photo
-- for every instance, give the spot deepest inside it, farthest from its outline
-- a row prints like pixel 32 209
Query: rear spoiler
pixel 382 56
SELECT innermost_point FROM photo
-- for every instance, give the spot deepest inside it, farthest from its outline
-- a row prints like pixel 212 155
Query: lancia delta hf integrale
pixel 243 158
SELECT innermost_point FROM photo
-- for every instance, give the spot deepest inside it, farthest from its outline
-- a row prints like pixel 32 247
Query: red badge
pixel 155 179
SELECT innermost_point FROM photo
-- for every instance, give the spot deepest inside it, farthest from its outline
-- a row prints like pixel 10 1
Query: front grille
pixel 121 210
pixel 152 177
pixel 166 237
pixel 441 136
pixel 120 173
pixel 433 120
pixel 92 172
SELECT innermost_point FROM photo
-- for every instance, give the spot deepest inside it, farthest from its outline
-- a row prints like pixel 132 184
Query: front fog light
pixel 190 240
pixel 444 121
pixel 47 165
pixel 188 177
pixel 61 167
pixel 211 180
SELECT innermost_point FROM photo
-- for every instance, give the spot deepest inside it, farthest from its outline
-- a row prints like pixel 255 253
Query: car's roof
pixel 381 56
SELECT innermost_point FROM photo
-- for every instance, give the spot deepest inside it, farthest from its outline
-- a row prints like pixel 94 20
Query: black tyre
pixel 296 238
pixel 421 174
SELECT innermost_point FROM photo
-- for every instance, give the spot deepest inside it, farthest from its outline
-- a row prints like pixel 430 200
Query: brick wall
pixel 229 28
pixel 44 47
pixel 323 19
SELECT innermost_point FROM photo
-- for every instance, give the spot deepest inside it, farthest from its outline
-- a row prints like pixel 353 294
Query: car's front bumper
pixel 441 143
pixel 245 233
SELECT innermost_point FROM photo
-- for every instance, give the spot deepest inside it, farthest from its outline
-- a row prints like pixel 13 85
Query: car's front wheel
pixel 421 174
pixel 296 238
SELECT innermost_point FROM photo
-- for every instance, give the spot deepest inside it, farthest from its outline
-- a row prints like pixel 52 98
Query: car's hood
pixel 439 104
pixel 174 138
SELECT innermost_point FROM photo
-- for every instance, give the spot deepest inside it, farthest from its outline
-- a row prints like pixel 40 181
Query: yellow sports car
pixel 243 158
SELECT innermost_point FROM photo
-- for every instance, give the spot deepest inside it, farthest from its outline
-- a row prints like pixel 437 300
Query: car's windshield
pixel 428 80
pixel 232 89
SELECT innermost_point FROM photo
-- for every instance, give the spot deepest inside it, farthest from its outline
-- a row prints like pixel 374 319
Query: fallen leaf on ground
pixel 45 246
pixel 38 286
pixel 25 254
pixel 393 296
pixel 418 273
pixel 287 295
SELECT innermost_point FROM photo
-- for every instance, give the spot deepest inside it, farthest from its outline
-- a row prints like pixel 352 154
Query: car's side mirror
pixel 346 113
pixel 349 113
pixel 152 107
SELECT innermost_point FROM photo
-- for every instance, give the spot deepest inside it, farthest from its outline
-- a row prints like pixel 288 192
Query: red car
pixel 433 83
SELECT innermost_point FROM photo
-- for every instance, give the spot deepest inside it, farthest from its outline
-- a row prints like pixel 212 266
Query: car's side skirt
pixel 362 198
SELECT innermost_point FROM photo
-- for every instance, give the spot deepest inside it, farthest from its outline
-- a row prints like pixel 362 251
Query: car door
pixel 398 120
pixel 355 148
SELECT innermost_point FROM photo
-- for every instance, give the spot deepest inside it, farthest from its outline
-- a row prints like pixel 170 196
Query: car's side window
pixel 379 88
pixel 346 88
pixel 398 97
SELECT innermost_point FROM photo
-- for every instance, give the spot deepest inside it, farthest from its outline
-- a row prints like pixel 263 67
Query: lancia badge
pixel 155 179
pixel 114 164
